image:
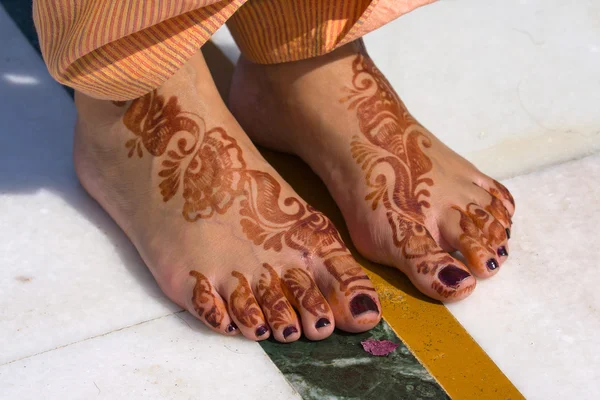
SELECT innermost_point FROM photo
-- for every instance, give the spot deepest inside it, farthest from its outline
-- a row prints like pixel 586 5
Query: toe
pixel 462 232
pixel 279 313
pixel 315 313
pixel 493 223
pixel 498 210
pixel 350 293
pixel 431 269
pixel 500 192
pixel 244 309
pixel 208 306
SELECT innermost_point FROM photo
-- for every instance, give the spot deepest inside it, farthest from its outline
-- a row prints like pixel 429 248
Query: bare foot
pixel 224 236
pixel 408 200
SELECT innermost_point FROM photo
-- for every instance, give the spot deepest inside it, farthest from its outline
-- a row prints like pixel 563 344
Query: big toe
pixel 350 294
pixel 431 269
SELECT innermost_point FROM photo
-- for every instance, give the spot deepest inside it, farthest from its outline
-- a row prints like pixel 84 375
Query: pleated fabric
pixel 275 31
pixel 121 50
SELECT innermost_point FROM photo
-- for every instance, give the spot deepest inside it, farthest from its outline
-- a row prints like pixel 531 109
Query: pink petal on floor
pixel 379 347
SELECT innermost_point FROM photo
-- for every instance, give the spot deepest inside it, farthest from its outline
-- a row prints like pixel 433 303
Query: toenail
pixel 451 275
pixel 289 330
pixel 361 304
pixel 492 264
pixel 231 327
pixel 261 330
pixel 323 322
pixel 502 251
pixel 507 233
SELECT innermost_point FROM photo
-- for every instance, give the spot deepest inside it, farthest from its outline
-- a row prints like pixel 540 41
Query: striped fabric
pixel 121 50
pixel 274 31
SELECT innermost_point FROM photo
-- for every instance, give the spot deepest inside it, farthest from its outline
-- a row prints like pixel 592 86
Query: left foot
pixel 408 200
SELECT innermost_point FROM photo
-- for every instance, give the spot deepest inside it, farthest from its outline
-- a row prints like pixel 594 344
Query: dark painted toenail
pixel 231 327
pixel 361 304
pixel 288 331
pixel 261 330
pixel 323 322
pixel 507 233
pixel 502 251
pixel 452 276
pixel 492 264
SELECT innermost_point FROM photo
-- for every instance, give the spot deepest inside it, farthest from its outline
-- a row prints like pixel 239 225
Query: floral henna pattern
pixel 271 297
pixel 204 300
pixel 501 192
pixel 242 303
pixel 305 292
pixel 345 271
pixel 497 209
pixel 472 238
pixel 207 168
pixel 496 233
pixel 392 140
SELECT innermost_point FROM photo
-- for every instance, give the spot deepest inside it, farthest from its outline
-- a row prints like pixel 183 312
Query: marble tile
pixel 512 85
pixel 67 272
pixel 172 357
pixel 538 317
pixel 339 368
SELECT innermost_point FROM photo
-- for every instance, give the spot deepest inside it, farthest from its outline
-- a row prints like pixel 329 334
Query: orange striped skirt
pixel 121 50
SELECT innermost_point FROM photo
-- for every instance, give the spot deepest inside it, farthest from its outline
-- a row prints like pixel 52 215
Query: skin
pixel 272 299
pixel 223 235
pixel 408 200
pixel 205 302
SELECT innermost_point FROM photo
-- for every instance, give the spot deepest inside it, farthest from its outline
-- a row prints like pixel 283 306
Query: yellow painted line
pixel 438 340
pixel 431 332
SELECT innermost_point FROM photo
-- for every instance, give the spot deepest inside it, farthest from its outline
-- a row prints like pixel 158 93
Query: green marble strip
pixel 339 368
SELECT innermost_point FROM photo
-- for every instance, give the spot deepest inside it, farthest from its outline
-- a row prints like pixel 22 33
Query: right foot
pixel 225 237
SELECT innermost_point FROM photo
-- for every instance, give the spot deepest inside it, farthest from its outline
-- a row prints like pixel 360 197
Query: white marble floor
pixel 513 85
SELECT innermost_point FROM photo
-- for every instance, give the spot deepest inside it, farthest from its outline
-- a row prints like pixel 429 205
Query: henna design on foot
pixel 242 303
pixel 474 242
pixel 496 234
pixel 386 125
pixel 304 290
pixel 210 167
pixel 270 296
pixel 501 192
pixel 204 302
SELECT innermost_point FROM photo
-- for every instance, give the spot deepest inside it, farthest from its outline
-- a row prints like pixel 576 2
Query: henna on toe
pixel 244 309
pixel 277 308
pixel 209 306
